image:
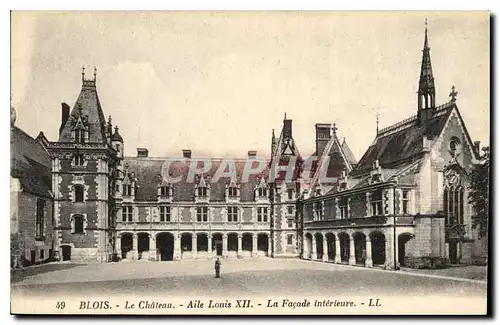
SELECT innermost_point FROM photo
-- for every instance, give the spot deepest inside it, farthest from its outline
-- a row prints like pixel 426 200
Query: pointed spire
pixel 453 94
pixel 377 120
pixel 426 89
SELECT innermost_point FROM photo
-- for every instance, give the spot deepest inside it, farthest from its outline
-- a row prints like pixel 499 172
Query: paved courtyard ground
pixel 256 277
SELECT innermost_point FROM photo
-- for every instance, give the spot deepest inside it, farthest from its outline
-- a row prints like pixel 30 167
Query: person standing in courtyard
pixel 217 267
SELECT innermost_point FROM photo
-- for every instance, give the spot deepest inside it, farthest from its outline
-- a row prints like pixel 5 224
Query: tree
pixel 479 191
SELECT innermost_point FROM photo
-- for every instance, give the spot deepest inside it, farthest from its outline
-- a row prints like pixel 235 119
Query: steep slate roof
pixel 148 173
pixel 90 105
pixel 402 143
pixel 348 153
pixel 339 161
pixel 30 163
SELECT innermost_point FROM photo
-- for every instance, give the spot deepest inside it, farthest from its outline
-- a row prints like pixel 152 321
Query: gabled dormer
pixel 202 190
pixel 129 187
pixel 261 191
pixel 79 126
pixel 165 191
pixel 376 173
pixel 232 189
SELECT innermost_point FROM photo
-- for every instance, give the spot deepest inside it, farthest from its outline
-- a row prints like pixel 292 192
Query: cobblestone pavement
pixel 256 277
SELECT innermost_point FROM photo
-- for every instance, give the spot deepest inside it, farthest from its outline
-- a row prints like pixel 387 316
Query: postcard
pixel 257 163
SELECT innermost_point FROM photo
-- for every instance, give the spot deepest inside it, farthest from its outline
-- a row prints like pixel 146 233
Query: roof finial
pixel 95 73
pixel 83 73
pixel 285 115
pixel 377 120
pixel 334 128
pixel 453 94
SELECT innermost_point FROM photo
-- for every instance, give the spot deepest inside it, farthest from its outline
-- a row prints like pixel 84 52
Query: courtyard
pixel 256 277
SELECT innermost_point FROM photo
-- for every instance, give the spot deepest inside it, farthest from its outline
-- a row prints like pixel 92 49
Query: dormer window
pixel 165 191
pixel 79 160
pixel 232 192
pixel 376 173
pixel 80 136
pixel 202 191
pixel 127 190
pixel 262 192
pixel 290 193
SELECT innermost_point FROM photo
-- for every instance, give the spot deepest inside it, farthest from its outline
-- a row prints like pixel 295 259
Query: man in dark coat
pixel 217 268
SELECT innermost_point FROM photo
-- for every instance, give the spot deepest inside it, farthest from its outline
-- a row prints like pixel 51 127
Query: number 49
pixel 60 305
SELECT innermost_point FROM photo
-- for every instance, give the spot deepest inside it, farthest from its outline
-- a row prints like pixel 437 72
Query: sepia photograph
pixel 250 162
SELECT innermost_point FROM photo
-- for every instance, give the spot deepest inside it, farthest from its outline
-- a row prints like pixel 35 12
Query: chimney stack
pixel 322 137
pixel 186 153
pixel 64 115
pixel 477 147
pixel 142 152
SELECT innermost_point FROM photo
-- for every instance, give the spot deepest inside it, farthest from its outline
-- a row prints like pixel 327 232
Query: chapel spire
pixel 426 89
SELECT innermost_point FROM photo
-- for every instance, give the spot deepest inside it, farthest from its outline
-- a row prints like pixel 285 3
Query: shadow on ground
pixel 17 275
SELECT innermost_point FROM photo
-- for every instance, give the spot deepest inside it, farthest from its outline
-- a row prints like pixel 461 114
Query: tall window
pixel 290 193
pixel 343 207
pixel 376 203
pixel 127 190
pixel 262 214
pixel 232 191
pixel 289 240
pixel 289 209
pixel 78 224
pixel 290 223
pixel 232 214
pixel 165 191
pixel 202 214
pixel 262 192
pixel 127 213
pixel 79 160
pixel 165 213
pixel 454 205
pixel 40 216
pixel 202 191
pixel 406 202
pixel 80 136
pixel 78 190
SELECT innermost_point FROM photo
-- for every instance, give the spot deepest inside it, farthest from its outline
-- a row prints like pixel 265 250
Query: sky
pixel 218 82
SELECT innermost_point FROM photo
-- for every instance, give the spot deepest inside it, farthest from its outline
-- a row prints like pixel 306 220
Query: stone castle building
pixel 404 203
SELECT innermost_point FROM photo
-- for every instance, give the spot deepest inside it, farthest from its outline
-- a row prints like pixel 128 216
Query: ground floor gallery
pixel 168 246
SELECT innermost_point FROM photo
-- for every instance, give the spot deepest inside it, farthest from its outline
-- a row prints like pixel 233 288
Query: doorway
pixel 66 252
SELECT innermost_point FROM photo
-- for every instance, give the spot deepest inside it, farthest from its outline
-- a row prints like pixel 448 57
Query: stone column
pixel 254 245
pixel 389 249
pixel 352 251
pixel 224 245
pixel 194 245
pixel 239 246
pixel 152 248
pixel 177 247
pixel 314 254
pixel 368 260
pixel 338 258
pixel 209 249
pixel 325 249
pixel 269 246
pixel 305 249
pixel 118 246
pixel 134 247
